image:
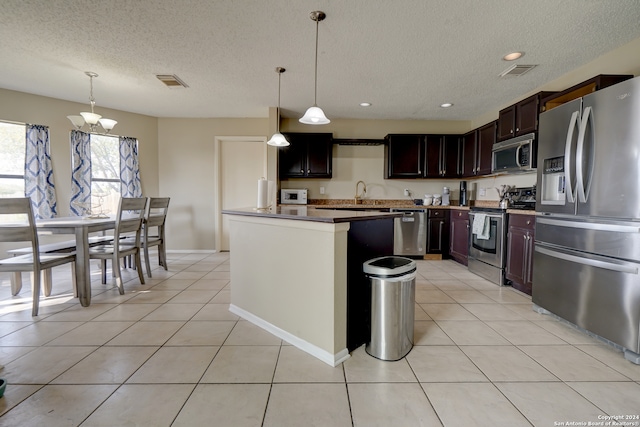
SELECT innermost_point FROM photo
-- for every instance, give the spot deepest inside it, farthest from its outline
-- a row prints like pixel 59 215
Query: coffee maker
pixel 463 193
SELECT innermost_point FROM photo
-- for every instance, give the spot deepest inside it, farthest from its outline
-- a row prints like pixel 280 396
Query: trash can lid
pixel 389 266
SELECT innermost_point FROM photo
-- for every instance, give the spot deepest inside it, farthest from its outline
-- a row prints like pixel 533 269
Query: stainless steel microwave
pixel 514 155
pixel 293 196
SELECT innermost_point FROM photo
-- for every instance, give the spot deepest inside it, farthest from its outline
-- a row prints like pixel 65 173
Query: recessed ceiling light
pixel 446 105
pixel 513 56
pixel 365 104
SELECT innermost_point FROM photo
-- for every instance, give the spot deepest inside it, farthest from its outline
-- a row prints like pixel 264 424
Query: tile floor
pixel 169 353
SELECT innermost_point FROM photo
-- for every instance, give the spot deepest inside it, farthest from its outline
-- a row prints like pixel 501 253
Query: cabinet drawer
pixel 523 221
pixel 437 213
pixel 459 214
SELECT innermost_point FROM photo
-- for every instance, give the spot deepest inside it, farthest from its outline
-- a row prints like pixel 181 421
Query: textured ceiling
pixel 406 57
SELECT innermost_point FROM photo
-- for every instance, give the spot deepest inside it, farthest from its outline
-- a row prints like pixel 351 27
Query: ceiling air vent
pixel 516 70
pixel 171 80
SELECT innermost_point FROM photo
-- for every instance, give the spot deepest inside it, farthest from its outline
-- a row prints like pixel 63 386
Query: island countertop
pixel 308 213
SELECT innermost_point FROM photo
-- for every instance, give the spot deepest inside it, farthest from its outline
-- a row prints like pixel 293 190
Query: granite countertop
pixel 310 213
pixel 521 211
pixel 370 204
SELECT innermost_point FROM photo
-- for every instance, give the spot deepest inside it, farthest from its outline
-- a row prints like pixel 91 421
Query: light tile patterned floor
pixel 170 353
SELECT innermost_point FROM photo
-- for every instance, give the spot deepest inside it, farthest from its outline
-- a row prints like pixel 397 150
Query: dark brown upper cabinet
pixel 310 155
pixel 486 139
pixel 476 150
pixel 520 118
pixel 404 156
pixel 422 156
pixel 442 156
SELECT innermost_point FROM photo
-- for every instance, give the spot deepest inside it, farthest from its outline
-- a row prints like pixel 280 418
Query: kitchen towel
pixel 481 226
pixel 263 193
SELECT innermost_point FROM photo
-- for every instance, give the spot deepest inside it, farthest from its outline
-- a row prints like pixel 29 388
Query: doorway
pixel 242 161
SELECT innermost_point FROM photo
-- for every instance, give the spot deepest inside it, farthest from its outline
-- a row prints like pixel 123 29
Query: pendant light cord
pixel 278 120
pixel 315 93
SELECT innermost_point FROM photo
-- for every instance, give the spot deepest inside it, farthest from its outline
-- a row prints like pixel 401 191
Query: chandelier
pixel 91 118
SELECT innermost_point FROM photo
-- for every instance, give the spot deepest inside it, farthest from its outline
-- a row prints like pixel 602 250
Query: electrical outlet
pixel 483 191
pixel 406 192
pixel 321 190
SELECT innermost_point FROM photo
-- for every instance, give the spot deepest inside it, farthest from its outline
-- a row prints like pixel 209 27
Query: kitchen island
pixel 296 272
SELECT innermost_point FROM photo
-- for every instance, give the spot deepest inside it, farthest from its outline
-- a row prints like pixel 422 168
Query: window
pixel 12 158
pixel 105 174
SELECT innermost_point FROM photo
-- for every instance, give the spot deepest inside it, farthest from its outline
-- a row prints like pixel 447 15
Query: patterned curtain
pixel 129 168
pixel 81 172
pixel 38 173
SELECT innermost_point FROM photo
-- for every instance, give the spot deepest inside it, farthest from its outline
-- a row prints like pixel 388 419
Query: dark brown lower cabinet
pixel 438 231
pixel 520 245
pixel 459 235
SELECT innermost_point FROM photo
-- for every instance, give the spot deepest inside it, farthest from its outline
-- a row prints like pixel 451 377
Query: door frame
pixel 217 200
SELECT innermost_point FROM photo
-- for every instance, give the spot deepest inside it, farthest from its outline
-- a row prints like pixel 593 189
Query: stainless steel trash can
pixel 393 295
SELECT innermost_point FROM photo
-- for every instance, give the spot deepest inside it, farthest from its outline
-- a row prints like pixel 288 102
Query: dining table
pixel 80 227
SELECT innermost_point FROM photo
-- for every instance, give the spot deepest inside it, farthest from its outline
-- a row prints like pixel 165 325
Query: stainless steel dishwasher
pixel 410 232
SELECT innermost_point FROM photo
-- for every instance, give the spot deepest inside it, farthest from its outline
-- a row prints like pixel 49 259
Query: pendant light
pixel 315 115
pixel 91 118
pixel 278 139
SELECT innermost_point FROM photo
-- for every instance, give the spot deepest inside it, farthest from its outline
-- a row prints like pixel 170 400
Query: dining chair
pixel 18 225
pixel 155 218
pixel 126 240
pixel 153 233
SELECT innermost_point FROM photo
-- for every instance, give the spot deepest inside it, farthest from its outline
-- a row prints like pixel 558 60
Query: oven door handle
pixel 490 215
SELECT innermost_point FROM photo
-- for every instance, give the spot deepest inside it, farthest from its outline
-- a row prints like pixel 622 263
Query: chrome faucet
pixel 358 197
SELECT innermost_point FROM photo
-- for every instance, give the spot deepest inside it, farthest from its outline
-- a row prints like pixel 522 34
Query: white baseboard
pixel 325 356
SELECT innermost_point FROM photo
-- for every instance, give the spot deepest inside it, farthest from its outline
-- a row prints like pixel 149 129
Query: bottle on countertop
pixel 463 193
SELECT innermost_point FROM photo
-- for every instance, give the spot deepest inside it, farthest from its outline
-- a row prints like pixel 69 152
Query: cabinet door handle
pixel 528 221
pixel 308 170
pixel 517 129
pixel 301 170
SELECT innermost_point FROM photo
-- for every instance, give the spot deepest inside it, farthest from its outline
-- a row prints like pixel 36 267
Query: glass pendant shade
pixel 107 124
pixel 314 116
pixel 278 140
pixel 91 118
pixel 77 121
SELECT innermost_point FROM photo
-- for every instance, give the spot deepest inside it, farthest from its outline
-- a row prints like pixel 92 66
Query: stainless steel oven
pixel 487 255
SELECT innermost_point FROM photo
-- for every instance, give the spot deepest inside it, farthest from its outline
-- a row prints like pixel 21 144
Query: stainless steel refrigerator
pixel 587 248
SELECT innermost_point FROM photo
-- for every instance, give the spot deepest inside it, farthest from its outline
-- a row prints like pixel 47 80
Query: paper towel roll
pixel 263 193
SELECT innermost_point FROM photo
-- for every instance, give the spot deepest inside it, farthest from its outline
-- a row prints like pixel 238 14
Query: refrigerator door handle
pixel 582 187
pixel 622 268
pixel 589 225
pixel 567 157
